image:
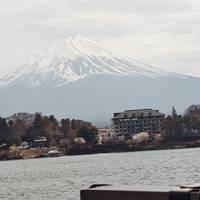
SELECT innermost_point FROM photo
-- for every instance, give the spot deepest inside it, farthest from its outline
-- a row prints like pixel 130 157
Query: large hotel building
pixel 131 122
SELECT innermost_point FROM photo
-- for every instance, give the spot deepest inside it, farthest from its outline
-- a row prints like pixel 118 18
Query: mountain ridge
pixel 74 58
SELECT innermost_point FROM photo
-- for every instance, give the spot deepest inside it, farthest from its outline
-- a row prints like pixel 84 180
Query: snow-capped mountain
pixel 74 58
pixel 76 77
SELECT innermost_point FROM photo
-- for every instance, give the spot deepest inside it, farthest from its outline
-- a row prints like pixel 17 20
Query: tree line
pixel 14 131
pixel 176 126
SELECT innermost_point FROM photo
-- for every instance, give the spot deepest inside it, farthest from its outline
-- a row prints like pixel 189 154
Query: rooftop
pixel 138 113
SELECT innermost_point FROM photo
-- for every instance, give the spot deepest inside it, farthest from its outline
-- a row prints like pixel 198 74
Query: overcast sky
pixel 163 33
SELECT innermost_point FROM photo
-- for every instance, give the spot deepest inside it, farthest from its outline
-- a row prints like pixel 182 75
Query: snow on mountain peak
pixel 73 58
pixel 74 47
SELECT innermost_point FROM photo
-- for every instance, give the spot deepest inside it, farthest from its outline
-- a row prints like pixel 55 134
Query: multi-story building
pixel 131 122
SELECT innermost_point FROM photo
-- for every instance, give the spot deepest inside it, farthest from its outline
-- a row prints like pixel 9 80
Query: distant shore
pixel 112 148
pixel 96 149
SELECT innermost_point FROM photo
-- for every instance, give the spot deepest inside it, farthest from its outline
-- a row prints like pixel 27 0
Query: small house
pixel 40 142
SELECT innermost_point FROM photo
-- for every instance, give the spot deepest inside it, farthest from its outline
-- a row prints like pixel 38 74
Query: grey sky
pixel 163 33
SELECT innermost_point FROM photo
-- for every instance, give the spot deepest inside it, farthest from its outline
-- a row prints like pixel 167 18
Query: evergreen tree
pixel 65 126
pixel 52 130
pixel 173 127
pixel 88 134
pixel 174 113
pixel 53 119
pixel 5 133
pixel 36 129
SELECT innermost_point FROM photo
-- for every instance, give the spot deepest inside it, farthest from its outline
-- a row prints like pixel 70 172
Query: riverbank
pixel 96 149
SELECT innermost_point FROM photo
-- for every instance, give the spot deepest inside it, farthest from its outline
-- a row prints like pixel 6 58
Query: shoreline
pixel 97 149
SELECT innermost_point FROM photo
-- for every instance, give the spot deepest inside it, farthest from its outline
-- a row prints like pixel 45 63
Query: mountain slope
pixel 76 77
pixel 74 58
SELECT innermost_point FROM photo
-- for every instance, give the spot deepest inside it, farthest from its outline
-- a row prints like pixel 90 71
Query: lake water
pixel 63 177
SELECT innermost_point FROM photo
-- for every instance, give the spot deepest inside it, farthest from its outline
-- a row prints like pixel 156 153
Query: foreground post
pixel 138 192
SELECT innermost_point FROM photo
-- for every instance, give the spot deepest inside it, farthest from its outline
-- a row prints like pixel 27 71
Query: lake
pixel 62 177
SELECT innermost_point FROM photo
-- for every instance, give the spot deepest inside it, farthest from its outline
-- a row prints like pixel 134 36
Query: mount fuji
pixel 77 77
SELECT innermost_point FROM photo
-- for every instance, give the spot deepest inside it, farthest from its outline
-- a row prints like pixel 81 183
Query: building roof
pixel 138 113
pixel 41 139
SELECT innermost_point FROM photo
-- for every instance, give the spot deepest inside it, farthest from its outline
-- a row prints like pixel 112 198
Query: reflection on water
pixel 63 177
